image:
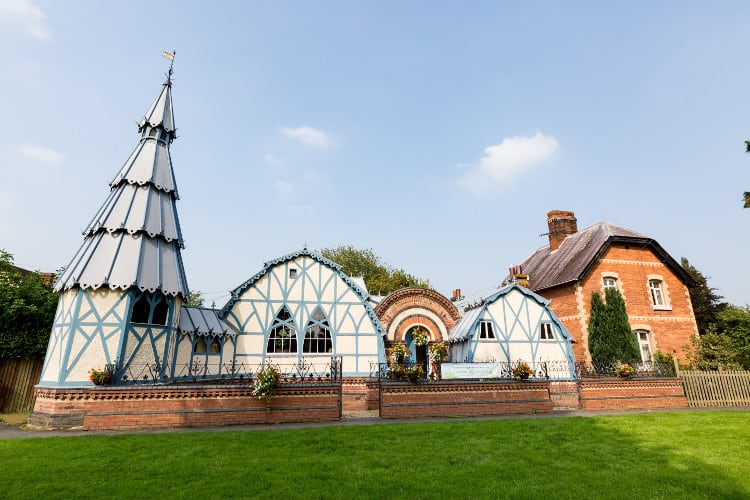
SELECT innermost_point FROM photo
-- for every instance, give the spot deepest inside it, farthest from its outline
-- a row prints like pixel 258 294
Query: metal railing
pixel 543 370
pixel 303 372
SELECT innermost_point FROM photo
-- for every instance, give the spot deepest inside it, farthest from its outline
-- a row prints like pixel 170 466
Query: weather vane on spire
pixel 169 56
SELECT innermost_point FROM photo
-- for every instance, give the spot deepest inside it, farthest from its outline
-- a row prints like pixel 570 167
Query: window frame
pixel 282 324
pixel 486 330
pixel 320 322
pixel 546 331
pixel 644 343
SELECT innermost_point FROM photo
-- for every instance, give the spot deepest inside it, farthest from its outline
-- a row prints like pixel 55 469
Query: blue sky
pixel 437 133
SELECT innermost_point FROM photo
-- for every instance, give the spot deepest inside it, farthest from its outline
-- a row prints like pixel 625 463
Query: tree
pixel 379 277
pixel 195 299
pixel 27 311
pixel 706 301
pixel 610 336
pixel 735 324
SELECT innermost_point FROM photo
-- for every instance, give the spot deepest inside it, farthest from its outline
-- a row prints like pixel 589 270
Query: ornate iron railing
pixel 303 372
pixel 543 370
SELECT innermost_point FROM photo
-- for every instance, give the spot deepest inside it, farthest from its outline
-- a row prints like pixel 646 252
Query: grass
pixel 655 455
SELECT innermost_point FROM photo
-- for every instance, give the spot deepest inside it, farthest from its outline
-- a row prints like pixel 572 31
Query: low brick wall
pixel 632 394
pixel 153 407
pixel 565 395
pixel 463 398
pixel 354 391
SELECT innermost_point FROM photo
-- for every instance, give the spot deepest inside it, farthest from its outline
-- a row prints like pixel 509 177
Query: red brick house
pixel 577 263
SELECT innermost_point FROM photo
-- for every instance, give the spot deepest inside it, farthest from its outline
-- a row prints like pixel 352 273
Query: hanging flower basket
pixel 438 352
pixel 400 352
pixel 420 337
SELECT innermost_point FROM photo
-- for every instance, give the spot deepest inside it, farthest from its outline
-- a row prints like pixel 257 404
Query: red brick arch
pixel 405 299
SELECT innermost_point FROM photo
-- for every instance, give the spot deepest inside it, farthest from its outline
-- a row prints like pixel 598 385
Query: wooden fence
pixel 17 380
pixel 726 388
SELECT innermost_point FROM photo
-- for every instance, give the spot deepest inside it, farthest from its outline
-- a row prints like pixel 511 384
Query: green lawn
pixel 658 455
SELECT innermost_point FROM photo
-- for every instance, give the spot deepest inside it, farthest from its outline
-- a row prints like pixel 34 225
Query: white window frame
pixel 644 345
pixel 486 330
pixel 546 332
pixel 609 282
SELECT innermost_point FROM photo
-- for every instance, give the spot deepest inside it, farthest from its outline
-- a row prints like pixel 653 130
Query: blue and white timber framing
pixel 301 308
pixel 513 324
pixel 121 294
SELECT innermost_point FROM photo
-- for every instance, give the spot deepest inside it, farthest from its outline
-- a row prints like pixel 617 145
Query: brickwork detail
pixel 670 329
pixel 100 408
pixel 449 399
pixel 414 299
pixel 636 394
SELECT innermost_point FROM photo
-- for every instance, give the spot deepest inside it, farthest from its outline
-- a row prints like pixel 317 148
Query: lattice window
pixel 317 334
pixel 485 330
pixel 546 332
pixel 609 282
pixel 283 336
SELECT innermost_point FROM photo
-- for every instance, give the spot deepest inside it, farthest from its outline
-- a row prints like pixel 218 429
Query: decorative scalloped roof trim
pixel 235 294
pixel 113 230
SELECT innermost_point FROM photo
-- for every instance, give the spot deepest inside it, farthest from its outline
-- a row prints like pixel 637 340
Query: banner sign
pixel 470 370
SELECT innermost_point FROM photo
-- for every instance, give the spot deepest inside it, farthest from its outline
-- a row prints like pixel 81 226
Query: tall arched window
pixel 283 336
pixel 317 334
pixel 200 346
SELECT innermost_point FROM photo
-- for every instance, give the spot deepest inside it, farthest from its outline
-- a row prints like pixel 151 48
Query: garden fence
pixel 725 388
pixel 17 380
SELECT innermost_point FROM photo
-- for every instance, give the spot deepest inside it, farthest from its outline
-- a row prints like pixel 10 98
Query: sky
pixel 439 134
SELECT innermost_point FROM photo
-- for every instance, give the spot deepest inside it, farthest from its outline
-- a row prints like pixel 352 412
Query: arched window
pixel 283 336
pixel 200 346
pixel 317 334
pixel 141 310
pixel 214 347
pixel 151 309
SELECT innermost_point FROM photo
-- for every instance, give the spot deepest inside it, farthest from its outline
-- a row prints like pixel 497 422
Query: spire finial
pixel 169 56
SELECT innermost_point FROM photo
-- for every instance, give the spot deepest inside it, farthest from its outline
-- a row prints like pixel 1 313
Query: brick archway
pixel 409 307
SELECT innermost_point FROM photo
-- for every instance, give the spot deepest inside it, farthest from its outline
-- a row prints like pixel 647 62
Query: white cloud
pixel 27 14
pixel 309 136
pixel 509 159
pixel 41 154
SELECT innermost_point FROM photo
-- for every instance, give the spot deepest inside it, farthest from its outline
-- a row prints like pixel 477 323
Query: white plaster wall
pixel 96 320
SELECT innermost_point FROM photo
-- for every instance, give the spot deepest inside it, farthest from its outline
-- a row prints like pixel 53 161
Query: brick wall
pixel 632 394
pixel 669 330
pixel 463 398
pixel 130 407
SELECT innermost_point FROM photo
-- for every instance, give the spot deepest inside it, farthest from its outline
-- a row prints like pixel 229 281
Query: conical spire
pixel 134 240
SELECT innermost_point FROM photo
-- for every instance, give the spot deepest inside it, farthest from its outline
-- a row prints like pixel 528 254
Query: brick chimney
pixel 561 224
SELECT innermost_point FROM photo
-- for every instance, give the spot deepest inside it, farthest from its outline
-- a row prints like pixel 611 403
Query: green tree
pixel 379 277
pixel 610 336
pixel 27 310
pixel 195 299
pixel 735 324
pixel 711 351
pixel 706 301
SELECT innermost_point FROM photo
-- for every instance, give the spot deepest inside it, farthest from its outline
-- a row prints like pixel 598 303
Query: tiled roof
pixel 579 251
pixel 202 321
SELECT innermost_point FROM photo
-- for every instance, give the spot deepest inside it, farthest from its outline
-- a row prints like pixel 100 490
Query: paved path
pixel 348 420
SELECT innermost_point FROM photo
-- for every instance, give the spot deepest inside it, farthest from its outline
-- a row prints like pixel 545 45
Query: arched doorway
pixel 416 340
